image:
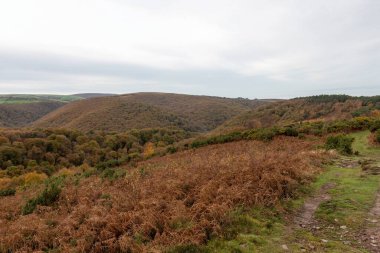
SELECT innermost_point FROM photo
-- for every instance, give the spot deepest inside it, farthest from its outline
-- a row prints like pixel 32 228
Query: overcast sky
pixel 232 48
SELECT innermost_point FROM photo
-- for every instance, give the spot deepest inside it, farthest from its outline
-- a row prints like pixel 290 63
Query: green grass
pixel 26 99
pixel 256 230
pixel 361 144
pixel 351 198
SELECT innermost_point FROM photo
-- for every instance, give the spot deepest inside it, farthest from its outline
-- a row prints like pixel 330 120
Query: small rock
pixel 343 227
pixel 325 241
pixel 284 247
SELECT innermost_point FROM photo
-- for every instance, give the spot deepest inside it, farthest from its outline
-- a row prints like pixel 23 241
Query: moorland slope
pixel 315 108
pixel 21 114
pixel 19 110
pixel 147 110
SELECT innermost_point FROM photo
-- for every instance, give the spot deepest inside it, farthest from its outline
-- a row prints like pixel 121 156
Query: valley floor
pixel 339 212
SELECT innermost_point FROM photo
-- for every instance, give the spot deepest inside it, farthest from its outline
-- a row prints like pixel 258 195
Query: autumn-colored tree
pixel 3 140
pixel 35 154
pixel 148 150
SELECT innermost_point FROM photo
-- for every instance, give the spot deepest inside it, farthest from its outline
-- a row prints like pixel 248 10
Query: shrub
pixel 7 192
pixel 360 123
pixel 290 131
pixel 375 126
pixel 189 248
pixel 65 172
pixel 263 134
pixel 338 126
pixel 14 171
pixel 234 136
pixel 34 178
pixel 377 136
pixel 341 143
pixel 171 150
pixel 148 150
pixel 365 110
pixel 46 198
pixel 112 174
pixel 198 143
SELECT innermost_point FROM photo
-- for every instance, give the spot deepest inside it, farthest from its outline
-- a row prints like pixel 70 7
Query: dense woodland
pixel 50 150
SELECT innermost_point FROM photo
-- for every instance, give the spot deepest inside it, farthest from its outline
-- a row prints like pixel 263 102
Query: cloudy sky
pixel 232 48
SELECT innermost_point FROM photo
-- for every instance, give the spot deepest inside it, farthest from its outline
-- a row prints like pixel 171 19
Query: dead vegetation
pixel 178 199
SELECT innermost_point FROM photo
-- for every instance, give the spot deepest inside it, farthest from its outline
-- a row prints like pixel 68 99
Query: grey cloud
pixel 59 74
pixel 266 49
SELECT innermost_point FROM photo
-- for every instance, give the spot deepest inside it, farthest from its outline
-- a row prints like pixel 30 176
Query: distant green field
pixel 25 99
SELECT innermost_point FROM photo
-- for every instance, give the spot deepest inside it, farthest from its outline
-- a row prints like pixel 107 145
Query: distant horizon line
pixel 158 92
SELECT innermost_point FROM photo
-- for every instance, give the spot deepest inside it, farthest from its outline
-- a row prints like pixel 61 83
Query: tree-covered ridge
pixel 322 107
pixel 22 114
pixel 147 110
pixel 340 98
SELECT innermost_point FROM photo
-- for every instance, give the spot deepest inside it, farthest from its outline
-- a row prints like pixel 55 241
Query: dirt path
pixel 306 217
pixel 371 235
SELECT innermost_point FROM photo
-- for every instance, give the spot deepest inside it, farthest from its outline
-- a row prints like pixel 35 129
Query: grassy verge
pixel 361 144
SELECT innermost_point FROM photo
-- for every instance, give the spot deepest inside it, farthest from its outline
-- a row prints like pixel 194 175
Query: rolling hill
pixel 147 110
pixel 322 107
pixel 30 98
pixel 93 95
pixel 19 110
pixel 22 114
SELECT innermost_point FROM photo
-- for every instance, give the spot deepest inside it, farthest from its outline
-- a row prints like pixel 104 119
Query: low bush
pixel 7 192
pixel 338 126
pixel 188 248
pixel 375 126
pixel 290 131
pixel 171 150
pixel 341 143
pixel 377 136
pixel 234 136
pixel 360 123
pixel 263 134
pixel 46 198
pixel 34 178
pixel 113 173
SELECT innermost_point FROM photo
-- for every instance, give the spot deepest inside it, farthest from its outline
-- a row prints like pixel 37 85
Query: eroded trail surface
pixel 371 235
pixel 306 217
